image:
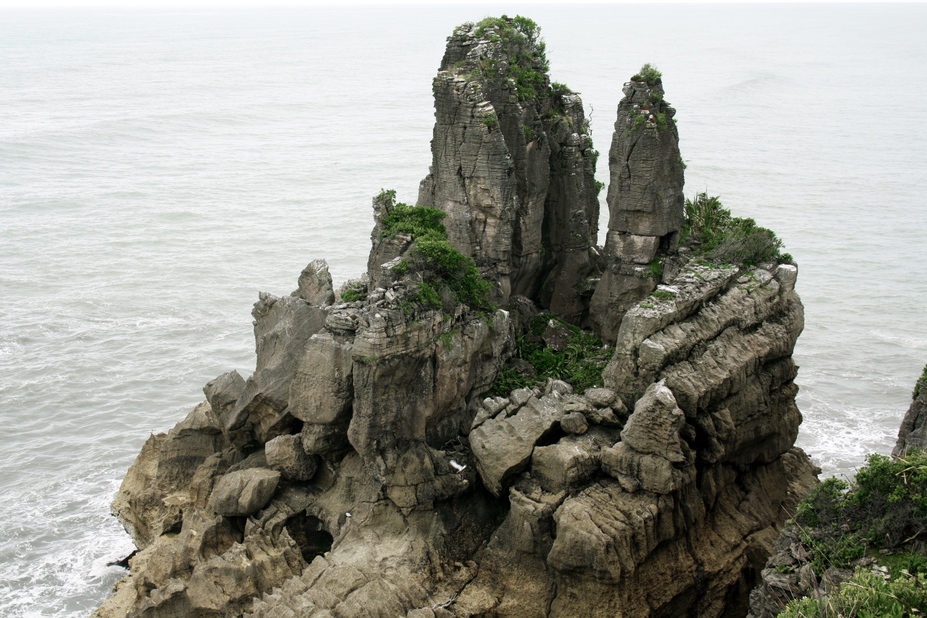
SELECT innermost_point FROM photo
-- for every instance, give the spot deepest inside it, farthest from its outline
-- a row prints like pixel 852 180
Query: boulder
pixel 315 284
pixel 243 492
pixel 286 454
pixel 503 446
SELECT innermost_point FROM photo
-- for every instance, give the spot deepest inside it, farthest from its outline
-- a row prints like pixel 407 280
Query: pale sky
pixel 155 4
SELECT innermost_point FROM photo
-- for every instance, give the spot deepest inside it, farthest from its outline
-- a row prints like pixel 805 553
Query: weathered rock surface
pixel 645 202
pixel 913 431
pixel 362 471
pixel 513 166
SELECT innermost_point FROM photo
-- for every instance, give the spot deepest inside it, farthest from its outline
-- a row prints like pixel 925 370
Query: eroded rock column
pixel 645 202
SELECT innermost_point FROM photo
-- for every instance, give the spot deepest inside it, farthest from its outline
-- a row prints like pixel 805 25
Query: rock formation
pixel 645 200
pixel 913 431
pixel 362 470
pixel 513 166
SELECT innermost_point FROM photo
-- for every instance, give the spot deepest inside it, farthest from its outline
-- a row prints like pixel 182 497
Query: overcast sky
pixel 130 4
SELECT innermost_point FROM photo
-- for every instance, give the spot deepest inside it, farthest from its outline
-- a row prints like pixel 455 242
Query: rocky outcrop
pixel 913 431
pixel 513 167
pixel 362 470
pixel 645 201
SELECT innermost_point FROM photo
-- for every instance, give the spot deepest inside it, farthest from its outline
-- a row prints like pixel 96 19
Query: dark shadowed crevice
pixel 309 534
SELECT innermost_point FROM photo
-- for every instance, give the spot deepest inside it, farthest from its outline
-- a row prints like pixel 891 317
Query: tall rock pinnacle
pixel 513 165
pixel 645 199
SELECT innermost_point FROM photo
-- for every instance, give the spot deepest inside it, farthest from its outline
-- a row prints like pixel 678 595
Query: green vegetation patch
pixel 881 513
pixel 721 238
pixel 885 507
pixel 580 363
pixel 649 74
pixel 526 60
pixel 441 264
pixel 920 384
pixel 354 292
pixel 867 595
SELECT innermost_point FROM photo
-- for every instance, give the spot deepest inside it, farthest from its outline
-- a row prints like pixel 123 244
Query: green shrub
pixel 529 133
pixel 655 269
pixel 354 292
pixel 661 121
pixel 428 296
pixel 416 221
pixel 921 383
pixel 432 254
pixel 527 58
pixel 649 74
pixel 867 595
pixel 580 364
pixel 725 239
pixel 889 499
pixel 558 90
pixel 885 507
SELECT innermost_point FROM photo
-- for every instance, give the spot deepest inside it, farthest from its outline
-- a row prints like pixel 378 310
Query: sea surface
pixel 159 169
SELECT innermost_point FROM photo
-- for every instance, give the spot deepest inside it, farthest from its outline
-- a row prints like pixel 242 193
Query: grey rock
pixel 603 416
pixel 315 284
pixel 558 388
pixel 222 394
pixel 517 183
pixel 282 326
pixel 654 426
pixel 286 454
pixel 557 336
pixel 600 397
pixel 565 465
pixel 913 431
pixel 243 492
pixel 574 423
pixel 503 446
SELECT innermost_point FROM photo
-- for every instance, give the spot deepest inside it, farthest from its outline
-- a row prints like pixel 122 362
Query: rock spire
pixel 645 200
pixel 513 166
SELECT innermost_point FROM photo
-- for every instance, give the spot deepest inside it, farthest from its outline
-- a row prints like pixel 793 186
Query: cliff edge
pixel 376 464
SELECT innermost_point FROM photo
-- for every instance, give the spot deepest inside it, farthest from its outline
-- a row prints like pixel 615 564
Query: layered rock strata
pixel 645 202
pixel 513 167
pixel 362 471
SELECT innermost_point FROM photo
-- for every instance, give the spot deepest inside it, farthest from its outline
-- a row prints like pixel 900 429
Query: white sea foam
pixel 160 168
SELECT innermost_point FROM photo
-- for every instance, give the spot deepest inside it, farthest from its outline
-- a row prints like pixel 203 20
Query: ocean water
pixel 158 169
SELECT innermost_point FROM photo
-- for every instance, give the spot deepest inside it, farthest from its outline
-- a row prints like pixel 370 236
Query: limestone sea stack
pixel 407 447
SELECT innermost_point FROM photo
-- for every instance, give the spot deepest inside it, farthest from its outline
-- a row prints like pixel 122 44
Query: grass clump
pixel 526 53
pixel 885 507
pixel 663 294
pixel 882 514
pixel 867 595
pixel 431 253
pixel 580 363
pixel 721 238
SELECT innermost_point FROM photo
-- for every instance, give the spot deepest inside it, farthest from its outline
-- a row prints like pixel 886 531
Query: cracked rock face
pixel 513 167
pixel 913 431
pixel 361 470
pixel 645 202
